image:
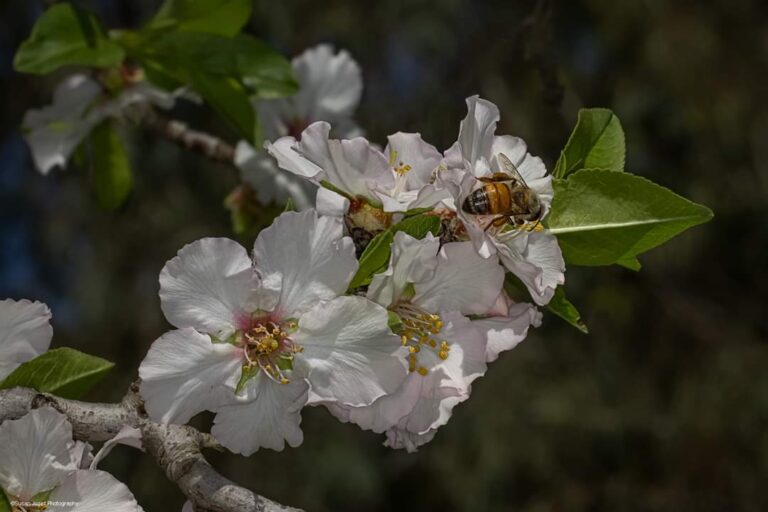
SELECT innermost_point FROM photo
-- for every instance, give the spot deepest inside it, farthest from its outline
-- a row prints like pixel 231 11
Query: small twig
pixel 176 448
pixel 179 133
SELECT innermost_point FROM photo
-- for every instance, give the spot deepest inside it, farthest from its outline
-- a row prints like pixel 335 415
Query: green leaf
pixel 597 142
pixel 289 206
pixel 63 371
pixel 630 263
pixel 5 505
pixel 66 35
pixel 418 225
pixel 374 259
pixel 230 101
pixel 264 72
pixel 221 17
pixel 112 178
pixel 563 308
pixel 602 217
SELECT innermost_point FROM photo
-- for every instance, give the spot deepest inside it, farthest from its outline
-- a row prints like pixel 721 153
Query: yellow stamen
pixel 419 327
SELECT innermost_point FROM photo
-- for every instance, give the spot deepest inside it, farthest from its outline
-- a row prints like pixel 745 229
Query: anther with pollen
pixel 419 329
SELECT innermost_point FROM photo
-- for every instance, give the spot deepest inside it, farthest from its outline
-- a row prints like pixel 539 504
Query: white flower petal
pixel 330 85
pixel 411 261
pixel 53 132
pixel 536 259
pixel 463 281
pixel 144 92
pixel 207 285
pixel 399 439
pixel 82 454
pixel 401 203
pixel 310 253
pixel 93 491
pixel 271 183
pixel 268 419
pixel 129 436
pixel 506 332
pixel 25 332
pixel 385 412
pixel 425 402
pixel 434 408
pixel 466 359
pixel 330 203
pixel 355 166
pixel 410 149
pixel 184 373
pixel 476 131
pixel 285 151
pixel 351 355
pixel 36 453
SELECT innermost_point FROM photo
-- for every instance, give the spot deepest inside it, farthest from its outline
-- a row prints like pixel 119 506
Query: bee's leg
pixel 497 221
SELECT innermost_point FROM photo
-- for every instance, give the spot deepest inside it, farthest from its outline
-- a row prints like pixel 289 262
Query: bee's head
pixel 537 207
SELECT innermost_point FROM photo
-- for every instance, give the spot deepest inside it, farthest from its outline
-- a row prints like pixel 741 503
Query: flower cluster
pixel 260 336
pixel 41 465
pixel 330 87
pixel 80 103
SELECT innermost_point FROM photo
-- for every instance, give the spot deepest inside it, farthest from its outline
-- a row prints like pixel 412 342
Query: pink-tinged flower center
pixel 420 330
pixel 267 346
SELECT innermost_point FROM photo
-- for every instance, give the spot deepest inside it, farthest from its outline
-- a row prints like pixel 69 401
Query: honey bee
pixel 507 196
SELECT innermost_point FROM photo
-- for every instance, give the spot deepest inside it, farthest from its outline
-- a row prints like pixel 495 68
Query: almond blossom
pixel 79 104
pixel 533 256
pixel 330 87
pixel 360 182
pixel 256 339
pixel 25 332
pixel 40 463
pixel 432 290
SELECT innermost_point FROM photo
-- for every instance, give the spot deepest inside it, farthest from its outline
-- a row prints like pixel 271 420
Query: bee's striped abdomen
pixel 476 203
pixel 493 198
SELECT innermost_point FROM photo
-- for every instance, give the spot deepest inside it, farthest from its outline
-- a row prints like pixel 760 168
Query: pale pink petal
pixel 93 491
pixel 208 285
pixel 536 259
pixel 506 332
pixel 266 416
pixel 310 254
pixel 350 354
pixel 184 373
pixel 411 261
pixel 463 281
pixel 36 453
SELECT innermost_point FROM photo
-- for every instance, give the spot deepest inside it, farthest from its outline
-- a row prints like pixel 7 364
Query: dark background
pixel 663 406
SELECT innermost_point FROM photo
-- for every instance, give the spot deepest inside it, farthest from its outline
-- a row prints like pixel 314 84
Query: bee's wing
pixel 510 168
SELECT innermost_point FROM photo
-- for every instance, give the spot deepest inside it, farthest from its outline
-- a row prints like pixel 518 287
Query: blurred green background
pixel 662 407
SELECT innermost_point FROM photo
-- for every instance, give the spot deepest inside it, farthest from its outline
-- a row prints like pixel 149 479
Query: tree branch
pixel 176 448
pixel 179 133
